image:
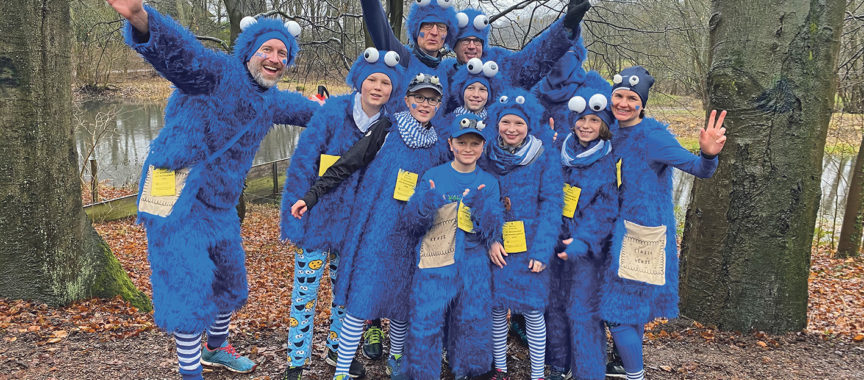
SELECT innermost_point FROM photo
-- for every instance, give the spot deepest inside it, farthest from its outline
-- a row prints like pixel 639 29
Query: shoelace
pixel 373 335
pixel 230 350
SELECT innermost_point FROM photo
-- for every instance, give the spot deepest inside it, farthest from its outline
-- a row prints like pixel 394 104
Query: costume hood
pixel 433 11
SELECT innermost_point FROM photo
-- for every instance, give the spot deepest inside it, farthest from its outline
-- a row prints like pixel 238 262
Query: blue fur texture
pixel 215 98
pixel 526 67
pixel 433 12
pixel 471 31
pixel 245 44
pixel 556 89
pixel 646 199
pixel 593 84
pixel 331 131
pixel 505 104
pixel 377 263
pixel 361 69
pixel 461 79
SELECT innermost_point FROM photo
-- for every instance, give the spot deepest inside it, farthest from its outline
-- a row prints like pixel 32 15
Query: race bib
pixel 438 247
pixel 464 219
pixel 571 200
pixel 643 254
pixel 325 163
pixel 405 183
pixel 161 190
pixel 514 237
pixel 618 171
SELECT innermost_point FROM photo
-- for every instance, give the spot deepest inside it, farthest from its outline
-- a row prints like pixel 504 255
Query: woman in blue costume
pixel 576 335
pixel 376 263
pixel 338 125
pixel 215 119
pixel 641 281
pixel 529 174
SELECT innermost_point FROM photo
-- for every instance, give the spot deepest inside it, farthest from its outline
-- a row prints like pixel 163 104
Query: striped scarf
pixel 459 111
pixel 414 134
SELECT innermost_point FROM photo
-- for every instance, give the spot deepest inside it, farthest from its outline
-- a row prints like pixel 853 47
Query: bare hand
pixel 713 137
pixel 132 10
pixel 563 255
pixel 536 266
pixel 497 253
pixel 552 126
pixel 298 209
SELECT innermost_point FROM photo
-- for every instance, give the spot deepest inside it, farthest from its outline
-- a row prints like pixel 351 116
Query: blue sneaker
pixel 394 367
pixel 226 357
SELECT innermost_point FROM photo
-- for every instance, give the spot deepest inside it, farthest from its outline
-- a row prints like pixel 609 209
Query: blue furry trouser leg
pixel 308 268
pixel 628 340
pixel 589 349
pixel 470 345
pixel 431 292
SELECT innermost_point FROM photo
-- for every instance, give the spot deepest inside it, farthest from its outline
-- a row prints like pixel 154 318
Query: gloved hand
pixel 472 198
pixel 431 199
pixel 575 12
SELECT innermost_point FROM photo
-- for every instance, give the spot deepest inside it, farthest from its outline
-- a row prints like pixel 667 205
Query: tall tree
pixel 745 254
pixel 50 252
pixel 237 9
pixel 853 218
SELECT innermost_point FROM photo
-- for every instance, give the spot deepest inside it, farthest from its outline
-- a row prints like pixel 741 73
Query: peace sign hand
pixel 713 137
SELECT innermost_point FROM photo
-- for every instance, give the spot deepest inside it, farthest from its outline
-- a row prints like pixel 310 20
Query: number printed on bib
pixel 326 162
pixel 514 237
pixel 571 200
pixel 405 183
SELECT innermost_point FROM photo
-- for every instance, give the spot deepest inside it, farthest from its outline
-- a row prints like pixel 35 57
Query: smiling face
pixel 419 104
pixel 467 48
pixel 467 148
pixel 375 90
pixel 431 37
pixel 512 129
pixel 587 128
pixel 626 106
pixel 267 65
pixel 475 96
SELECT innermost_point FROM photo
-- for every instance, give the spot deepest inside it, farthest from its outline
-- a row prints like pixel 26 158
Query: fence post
pixel 275 171
pixel 94 181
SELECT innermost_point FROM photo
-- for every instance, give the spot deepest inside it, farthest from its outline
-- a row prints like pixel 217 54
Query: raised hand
pixel 552 126
pixel 713 137
pixel 132 10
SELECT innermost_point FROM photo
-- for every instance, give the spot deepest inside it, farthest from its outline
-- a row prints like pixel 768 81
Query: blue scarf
pixel 504 160
pixel 573 154
pixel 414 134
pixel 459 111
pixel 427 59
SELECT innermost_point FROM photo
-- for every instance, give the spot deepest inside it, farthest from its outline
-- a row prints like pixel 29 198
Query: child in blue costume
pixel 474 84
pixel 640 284
pixel 525 67
pixel 221 109
pixel 340 123
pixel 531 188
pixel 577 337
pixel 453 276
pixel 375 260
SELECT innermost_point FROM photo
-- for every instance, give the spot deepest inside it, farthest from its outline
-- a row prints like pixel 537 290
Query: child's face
pixel 375 90
pixel 512 129
pixel 626 105
pixel 467 148
pixel 587 128
pixel 475 96
pixel 423 104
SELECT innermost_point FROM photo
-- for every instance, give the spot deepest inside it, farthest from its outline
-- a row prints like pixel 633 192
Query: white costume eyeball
pixel 480 22
pixel 465 123
pixel 371 55
pixel 247 22
pixel 617 79
pixel 434 80
pixel 461 20
pixel 474 65
pixel 576 104
pixel 520 99
pixel 445 3
pixel 503 99
pixel 424 3
pixel 597 102
pixel 391 58
pixel 634 80
pixel 480 125
pixel 490 69
pixel 293 28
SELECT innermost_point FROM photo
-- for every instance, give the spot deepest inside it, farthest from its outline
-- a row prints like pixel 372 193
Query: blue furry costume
pixel 556 89
pixel 331 131
pixel 196 253
pixel 461 290
pixel 576 335
pixel 533 194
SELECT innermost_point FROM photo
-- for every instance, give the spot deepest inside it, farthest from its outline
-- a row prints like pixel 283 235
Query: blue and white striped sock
pixel 398 332
pixel 217 333
pixel 189 354
pixel 499 338
pixel 636 376
pixel 535 327
pixel 349 339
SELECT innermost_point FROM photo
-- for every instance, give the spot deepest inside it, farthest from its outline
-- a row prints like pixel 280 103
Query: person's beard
pixel 256 69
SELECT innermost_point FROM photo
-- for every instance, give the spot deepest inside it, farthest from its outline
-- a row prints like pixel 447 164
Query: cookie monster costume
pixel 556 89
pixel 531 188
pixel 334 128
pixel 576 335
pixel 525 67
pixel 632 294
pixel 475 71
pixel 460 284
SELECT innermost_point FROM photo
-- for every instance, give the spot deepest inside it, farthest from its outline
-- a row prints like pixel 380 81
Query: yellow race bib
pixel 326 162
pixel 571 200
pixel 405 183
pixel 618 171
pixel 514 237
pixel 464 219
pixel 163 183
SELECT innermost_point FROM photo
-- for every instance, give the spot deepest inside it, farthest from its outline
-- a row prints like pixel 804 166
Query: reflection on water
pixel 121 151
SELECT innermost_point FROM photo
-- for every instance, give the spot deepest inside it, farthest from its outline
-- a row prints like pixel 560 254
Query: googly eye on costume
pixel 576 104
pixel 462 20
pixel 293 28
pixel 371 55
pixel 480 22
pixel 420 77
pixel 445 3
pixel 617 79
pixel 597 102
pixel 247 22
pixel 391 58
pixel 434 80
pixel 423 3
pixel 474 65
pixel 634 80
pixel 490 69
pixel 480 125
pixel 464 123
pixel 503 99
pixel 520 99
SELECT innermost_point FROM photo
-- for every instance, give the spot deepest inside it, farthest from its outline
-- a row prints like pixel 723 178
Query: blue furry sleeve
pixel 528 66
pixel 293 108
pixel 666 150
pixel 415 218
pixel 176 54
pixel 304 162
pixel 547 225
pixel 596 221
pixel 380 31
pixel 489 217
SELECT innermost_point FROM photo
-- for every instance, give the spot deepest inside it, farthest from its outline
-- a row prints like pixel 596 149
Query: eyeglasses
pixel 421 99
pixel 472 41
pixel 427 26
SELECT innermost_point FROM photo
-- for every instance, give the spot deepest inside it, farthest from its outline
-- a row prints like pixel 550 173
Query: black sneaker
pixel 293 373
pixel 557 374
pixel 616 370
pixel 372 348
pixel 356 371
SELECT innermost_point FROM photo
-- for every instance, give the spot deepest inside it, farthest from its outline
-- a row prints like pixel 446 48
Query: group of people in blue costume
pixel 445 195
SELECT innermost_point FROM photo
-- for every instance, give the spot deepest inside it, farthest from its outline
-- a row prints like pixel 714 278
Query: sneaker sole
pixel 220 365
pixel 365 355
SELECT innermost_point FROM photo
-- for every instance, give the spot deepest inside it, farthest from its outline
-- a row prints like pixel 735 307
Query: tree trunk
pixel 745 254
pixel 396 12
pixel 237 9
pixel 50 252
pixel 850 233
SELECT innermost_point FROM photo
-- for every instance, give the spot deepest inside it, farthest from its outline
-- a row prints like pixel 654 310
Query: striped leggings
pixel 536 329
